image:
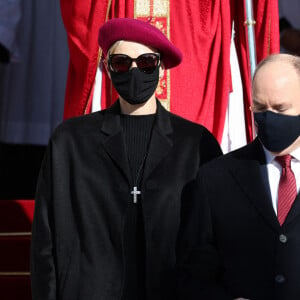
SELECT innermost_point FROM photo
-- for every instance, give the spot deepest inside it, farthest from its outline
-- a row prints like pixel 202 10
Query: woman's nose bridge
pixel 133 64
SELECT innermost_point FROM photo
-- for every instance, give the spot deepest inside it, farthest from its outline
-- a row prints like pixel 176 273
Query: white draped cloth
pixel 234 134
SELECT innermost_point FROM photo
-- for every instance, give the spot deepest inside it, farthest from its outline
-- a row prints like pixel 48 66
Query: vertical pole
pixel 250 22
pixel 251 36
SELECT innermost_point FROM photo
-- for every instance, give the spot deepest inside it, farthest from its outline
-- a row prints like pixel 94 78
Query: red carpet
pixel 15 234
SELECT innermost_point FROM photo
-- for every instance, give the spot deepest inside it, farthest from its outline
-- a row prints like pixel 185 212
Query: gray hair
pixel 292 60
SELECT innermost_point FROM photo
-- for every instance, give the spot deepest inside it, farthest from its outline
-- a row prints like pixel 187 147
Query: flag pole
pixel 250 22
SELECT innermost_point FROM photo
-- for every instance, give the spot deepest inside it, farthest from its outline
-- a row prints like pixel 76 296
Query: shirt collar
pixel 296 154
pixel 270 157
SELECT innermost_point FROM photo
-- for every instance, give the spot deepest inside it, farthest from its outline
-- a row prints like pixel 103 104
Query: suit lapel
pixel 251 175
pixel 160 143
pixel 294 211
pixel 114 142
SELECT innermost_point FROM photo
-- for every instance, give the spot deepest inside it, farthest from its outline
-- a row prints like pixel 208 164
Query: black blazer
pixel 230 243
pixel 82 199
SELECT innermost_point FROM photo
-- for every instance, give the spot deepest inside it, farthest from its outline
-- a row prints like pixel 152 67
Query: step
pixel 15 287
pixel 15 254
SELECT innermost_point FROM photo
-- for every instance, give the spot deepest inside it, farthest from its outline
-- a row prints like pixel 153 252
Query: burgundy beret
pixel 141 32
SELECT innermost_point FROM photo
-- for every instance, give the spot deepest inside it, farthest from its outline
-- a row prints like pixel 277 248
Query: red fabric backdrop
pixel 266 39
pixel 82 20
pixel 200 86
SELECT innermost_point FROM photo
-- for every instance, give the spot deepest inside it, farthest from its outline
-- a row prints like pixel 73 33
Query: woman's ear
pixel 161 70
pixel 106 67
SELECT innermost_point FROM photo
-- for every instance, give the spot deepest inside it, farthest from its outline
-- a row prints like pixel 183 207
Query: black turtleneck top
pixel 137 132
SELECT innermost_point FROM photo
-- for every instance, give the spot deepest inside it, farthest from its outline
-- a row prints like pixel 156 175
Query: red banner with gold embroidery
pixel 198 89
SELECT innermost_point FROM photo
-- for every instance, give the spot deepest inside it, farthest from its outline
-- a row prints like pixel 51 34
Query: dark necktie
pixel 287 189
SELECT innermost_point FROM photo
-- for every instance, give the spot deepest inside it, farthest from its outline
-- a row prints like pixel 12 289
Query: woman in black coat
pixel 108 199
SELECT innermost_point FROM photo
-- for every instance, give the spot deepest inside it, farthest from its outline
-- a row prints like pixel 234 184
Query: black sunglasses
pixel 146 63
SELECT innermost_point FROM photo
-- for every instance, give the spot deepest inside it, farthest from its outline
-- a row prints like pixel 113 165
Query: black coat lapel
pixel 250 172
pixel 294 211
pixel 114 142
pixel 160 143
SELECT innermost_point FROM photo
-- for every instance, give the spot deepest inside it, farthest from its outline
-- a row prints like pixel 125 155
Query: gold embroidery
pixel 160 8
pixel 142 8
pixel 157 12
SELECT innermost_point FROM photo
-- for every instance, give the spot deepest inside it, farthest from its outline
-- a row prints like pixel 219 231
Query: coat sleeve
pixel 43 273
pixel 198 266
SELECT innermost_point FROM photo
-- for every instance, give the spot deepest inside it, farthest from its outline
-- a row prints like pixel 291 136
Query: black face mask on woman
pixel 134 86
pixel 277 131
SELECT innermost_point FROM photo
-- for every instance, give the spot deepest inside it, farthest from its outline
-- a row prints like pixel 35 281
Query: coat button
pixel 283 238
pixel 279 279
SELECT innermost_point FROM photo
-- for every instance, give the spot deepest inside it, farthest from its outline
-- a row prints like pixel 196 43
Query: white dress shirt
pixel 274 172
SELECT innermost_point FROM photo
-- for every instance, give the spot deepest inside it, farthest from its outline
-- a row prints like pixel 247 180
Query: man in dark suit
pixel 108 200
pixel 240 230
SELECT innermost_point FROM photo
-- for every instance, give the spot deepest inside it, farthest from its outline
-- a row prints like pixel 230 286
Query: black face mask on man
pixel 134 86
pixel 277 131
